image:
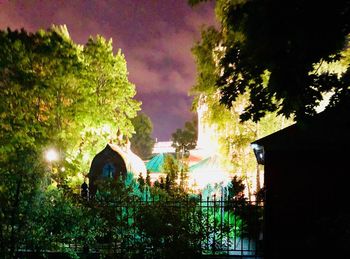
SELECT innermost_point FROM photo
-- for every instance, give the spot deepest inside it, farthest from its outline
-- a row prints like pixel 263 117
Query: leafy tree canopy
pixel 142 142
pixel 233 135
pixel 54 94
pixel 286 40
pixel 185 139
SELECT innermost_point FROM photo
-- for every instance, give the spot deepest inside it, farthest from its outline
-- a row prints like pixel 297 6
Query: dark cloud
pixel 156 37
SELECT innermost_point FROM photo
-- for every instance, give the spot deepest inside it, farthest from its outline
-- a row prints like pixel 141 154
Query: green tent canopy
pixel 210 164
pixel 208 171
pixel 156 163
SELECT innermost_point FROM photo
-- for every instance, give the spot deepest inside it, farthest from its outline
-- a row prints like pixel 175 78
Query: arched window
pixel 108 170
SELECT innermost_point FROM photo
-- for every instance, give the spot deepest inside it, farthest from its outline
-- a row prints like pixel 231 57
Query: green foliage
pixel 141 182
pixel 287 41
pixel 183 140
pixel 21 177
pixel 171 169
pixel 106 77
pixel 170 231
pixel 148 178
pixel 233 135
pixel 142 142
pixel 36 72
pixel 250 215
pixel 54 94
pixel 236 189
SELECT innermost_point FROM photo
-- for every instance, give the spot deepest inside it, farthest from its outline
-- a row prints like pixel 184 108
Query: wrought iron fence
pixel 181 226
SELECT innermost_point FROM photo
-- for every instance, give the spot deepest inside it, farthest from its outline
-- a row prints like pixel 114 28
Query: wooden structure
pixel 307 210
pixel 106 164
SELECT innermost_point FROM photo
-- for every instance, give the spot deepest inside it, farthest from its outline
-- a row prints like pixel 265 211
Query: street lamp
pixel 259 153
pixel 51 155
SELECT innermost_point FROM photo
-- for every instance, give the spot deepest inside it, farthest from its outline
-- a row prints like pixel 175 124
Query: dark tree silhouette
pixel 287 39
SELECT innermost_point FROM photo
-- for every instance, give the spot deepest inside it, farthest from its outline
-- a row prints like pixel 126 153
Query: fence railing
pixel 184 225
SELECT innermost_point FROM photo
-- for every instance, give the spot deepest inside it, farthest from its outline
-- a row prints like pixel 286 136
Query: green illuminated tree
pixel 108 105
pixel 141 182
pixel 142 142
pixel 36 71
pixel 54 93
pixel 171 169
pixel 234 136
pixel 185 139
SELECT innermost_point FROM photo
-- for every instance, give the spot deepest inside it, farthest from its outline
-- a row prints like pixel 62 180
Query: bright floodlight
pixel 51 155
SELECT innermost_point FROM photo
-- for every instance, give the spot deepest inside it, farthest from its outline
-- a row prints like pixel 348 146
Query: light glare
pixel 51 155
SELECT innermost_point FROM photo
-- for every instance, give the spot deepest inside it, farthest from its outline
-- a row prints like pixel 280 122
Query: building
pixel 114 162
pixel 204 161
pixel 307 207
pixel 163 147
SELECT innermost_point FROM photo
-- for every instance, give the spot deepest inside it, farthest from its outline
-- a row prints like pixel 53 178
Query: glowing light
pixel 51 155
pixel 63 169
pixel 255 146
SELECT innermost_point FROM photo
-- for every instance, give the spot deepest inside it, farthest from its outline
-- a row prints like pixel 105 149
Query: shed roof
pixel 329 129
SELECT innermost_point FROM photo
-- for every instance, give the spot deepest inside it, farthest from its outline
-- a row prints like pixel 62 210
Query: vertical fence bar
pixel 234 225
pixel 214 219
pixel 241 238
pixel 228 245
pixel 221 219
pixel 200 218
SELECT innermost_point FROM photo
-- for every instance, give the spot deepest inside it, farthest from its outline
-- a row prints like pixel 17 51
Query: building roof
pixel 156 163
pixel 329 129
pixel 209 171
pixel 163 147
pixel 209 164
pixel 134 164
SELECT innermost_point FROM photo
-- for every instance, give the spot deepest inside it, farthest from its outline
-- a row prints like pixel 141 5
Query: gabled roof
pixel 134 164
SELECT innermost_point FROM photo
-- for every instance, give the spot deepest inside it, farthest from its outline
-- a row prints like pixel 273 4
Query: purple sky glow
pixel 156 37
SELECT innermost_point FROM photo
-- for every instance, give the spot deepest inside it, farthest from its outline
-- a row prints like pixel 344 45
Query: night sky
pixel 156 37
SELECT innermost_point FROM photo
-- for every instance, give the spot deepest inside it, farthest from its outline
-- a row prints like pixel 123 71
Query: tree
pixel 142 142
pixel 109 103
pixel 148 178
pixel 141 182
pixel 171 169
pixel 234 136
pixel 286 41
pixel 32 68
pixel 185 139
pixel 54 93
pixel 21 176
